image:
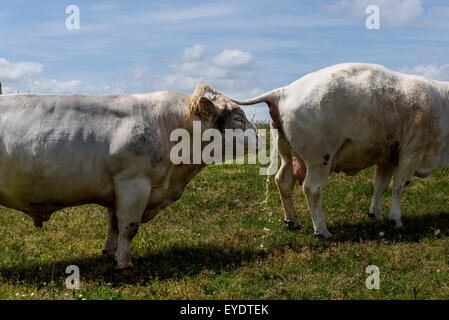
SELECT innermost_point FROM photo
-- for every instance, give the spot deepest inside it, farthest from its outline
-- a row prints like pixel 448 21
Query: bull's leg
pixel 382 178
pixel 313 187
pixel 401 179
pixel 110 245
pixel 132 196
pixel 286 182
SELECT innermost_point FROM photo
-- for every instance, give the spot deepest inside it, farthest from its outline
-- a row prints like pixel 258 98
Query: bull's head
pixel 220 113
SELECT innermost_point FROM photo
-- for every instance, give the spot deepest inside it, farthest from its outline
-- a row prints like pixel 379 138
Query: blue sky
pixel 242 48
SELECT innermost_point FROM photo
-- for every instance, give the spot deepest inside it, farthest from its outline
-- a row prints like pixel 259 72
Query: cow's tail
pixel 271 99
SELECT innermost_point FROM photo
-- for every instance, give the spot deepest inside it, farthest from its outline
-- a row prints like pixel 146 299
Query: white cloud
pixel 194 53
pixel 431 71
pixel 26 77
pixel 233 59
pixel 231 71
pixel 19 70
pixel 139 72
pixel 43 85
pixel 64 87
pixel 393 13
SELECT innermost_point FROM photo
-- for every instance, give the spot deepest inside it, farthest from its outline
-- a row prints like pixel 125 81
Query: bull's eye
pixel 238 121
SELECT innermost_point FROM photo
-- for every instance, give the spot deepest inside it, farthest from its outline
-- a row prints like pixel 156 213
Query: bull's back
pixel 55 149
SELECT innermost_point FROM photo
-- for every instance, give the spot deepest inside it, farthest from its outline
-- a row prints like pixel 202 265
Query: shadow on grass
pixel 174 263
pixel 415 228
pixel 179 261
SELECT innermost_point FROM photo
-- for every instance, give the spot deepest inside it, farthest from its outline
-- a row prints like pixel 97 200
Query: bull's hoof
pixel 37 223
pixel 291 225
pixel 375 217
pixel 123 267
pixel 323 237
pixel 395 224
pixel 124 272
pixel 107 254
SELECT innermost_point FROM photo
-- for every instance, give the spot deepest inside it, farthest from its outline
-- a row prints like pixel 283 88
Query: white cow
pixel 351 116
pixel 64 150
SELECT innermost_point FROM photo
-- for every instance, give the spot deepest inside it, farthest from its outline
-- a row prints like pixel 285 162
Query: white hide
pixel 58 151
pixel 351 116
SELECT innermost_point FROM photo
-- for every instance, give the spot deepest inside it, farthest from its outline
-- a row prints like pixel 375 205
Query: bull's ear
pixel 207 110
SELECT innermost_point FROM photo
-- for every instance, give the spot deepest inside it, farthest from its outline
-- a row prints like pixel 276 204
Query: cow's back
pixel 365 114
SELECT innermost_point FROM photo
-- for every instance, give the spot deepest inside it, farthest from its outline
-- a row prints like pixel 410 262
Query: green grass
pixel 206 246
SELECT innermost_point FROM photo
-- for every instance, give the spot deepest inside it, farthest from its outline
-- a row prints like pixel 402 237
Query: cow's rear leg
pixel 401 179
pixel 382 178
pixel 110 245
pixel 132 196
pixel 313 187
pixel 286 182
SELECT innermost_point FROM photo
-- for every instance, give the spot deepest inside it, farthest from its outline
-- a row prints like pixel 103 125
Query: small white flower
pixel 80 296
pixel 32 294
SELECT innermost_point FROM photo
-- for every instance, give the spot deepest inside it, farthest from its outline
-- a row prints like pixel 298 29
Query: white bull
pixel 58 151
pixel 351 116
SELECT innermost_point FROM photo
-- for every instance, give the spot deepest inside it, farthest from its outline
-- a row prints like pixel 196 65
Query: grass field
pixel 219 242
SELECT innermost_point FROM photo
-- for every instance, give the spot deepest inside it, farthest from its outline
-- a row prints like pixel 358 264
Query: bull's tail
pixel 271 99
